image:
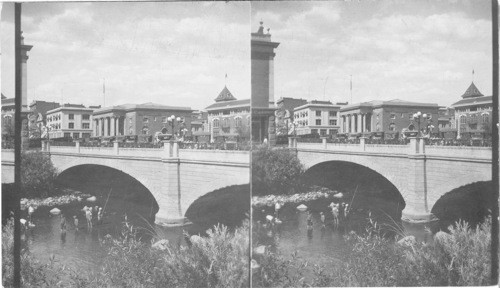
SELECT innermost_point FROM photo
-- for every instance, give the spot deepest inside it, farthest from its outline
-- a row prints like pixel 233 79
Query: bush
pixel 275 171
pixel 38 175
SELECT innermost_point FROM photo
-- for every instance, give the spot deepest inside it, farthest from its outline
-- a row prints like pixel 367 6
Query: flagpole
pixel 351 89
pixel 104 91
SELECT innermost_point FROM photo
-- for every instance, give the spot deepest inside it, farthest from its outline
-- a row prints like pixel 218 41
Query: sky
pixel 174 54
pixel 421 51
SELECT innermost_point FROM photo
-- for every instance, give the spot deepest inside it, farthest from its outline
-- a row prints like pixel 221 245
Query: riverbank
pixel 298 198
pixel 68 197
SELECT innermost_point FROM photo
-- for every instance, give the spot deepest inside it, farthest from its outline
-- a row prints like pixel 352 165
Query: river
pixel 326 245
pixel 81 249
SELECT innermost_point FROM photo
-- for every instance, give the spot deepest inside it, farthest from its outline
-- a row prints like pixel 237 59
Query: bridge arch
pixel 347 176
pixel 228 205
pixel 105 183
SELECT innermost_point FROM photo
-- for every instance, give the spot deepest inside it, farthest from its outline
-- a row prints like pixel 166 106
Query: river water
pixel 326 245
pixel 81 249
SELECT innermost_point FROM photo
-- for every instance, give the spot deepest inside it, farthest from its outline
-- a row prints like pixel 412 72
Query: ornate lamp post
pixel 172 121
pixel 420 118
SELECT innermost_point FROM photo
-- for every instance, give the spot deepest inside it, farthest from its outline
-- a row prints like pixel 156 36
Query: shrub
pixel 275 171
pixel 37 175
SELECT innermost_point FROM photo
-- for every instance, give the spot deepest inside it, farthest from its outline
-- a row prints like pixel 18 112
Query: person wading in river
pixel 75 221
pixel 309 225
pixel 88 215
pixel 31 210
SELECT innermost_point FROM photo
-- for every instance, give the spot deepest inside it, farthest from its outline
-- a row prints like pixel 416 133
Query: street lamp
pixel 420 118
pixel 172 120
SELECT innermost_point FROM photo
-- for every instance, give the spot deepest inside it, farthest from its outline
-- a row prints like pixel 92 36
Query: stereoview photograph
pixel 135 139
pixel 373 165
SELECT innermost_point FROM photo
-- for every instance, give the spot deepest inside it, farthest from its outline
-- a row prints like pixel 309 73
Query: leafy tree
pixel 37 174
pixel 275 171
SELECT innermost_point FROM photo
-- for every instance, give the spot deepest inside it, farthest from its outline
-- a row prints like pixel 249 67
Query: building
pixel 387 117
pixel 69 121
pixel 317 117
pixel 199 122
pixel 284 114
pixel 141 121
pixel 262 66
pixel 473 114
pixel 38 116
pixel 229 116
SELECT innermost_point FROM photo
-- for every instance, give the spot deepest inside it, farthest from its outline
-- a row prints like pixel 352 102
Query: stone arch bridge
pixel 421 173
pixel 175 177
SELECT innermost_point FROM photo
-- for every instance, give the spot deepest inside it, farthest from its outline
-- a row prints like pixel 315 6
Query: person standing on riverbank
pixel 99 216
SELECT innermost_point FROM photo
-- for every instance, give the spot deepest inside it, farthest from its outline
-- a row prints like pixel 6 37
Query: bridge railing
pixel 415 146
pixel 169 150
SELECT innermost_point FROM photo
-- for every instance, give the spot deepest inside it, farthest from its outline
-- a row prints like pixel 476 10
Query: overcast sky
pixel 412 50
pixel 168 53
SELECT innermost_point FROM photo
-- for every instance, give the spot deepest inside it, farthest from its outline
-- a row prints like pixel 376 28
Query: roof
pixel 394 102
pixel 143 106
pixel 472 91
pixel 229 104
pixel 474 100
pixel 225 95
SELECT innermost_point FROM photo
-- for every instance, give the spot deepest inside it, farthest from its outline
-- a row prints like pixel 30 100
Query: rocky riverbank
pixel 315 192
pixel 70 196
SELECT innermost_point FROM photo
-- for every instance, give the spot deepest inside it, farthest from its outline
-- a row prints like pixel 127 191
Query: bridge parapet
pixel 416 146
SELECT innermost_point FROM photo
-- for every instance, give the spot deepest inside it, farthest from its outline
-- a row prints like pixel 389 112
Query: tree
pixel 38 174
pixel 275 171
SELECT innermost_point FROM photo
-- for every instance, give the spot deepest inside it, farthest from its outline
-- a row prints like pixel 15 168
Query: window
pixel 71 125
pixel 333 113
pixel 67 135
pixel 71 116
pixel 318 113
pixel 145 120
pixel 86 117
pixel 85 125
pixel 76 135
pixel 85 135
pixel 237 122
pixel 318 121
pixel 225 122
pixel 392 127
pixel 463 119
pixel 331 131
pixel 314 131
pixel 393 115
pixel 322 132
pixel 333 122
pixel 486 117
pixel 216 123
pixel 473 126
